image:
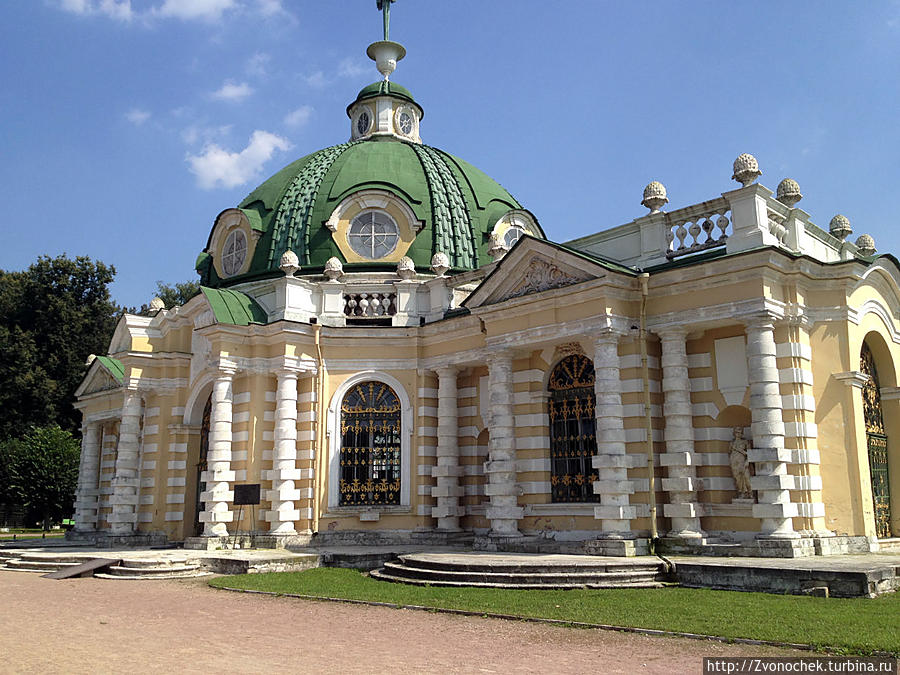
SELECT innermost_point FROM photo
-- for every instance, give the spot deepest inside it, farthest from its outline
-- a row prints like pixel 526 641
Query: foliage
pixel 177 294
pixel 52 316
pixel 43 471
pixel 858 625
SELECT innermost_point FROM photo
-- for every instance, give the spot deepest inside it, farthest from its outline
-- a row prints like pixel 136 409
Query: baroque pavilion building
pixel 391 348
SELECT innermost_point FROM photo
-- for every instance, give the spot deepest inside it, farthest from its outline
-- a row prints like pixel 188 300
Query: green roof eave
pixel 233 307
pixel 254 218
pixel 114 366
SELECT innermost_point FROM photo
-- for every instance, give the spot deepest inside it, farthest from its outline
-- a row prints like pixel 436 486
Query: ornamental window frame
pixel 591 497
pixel 518 221
pixel 357 203
pixel 358 238
pixel 227 223
pixel 333 431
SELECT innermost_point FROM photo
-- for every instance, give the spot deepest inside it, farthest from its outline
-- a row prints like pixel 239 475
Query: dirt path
pixel 101 626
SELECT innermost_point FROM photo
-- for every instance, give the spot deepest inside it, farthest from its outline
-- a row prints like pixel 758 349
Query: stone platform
pixel 860 575
pixel 839 576
pixel 521 570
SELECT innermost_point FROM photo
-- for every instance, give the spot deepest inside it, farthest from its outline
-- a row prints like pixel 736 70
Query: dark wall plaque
pixel 247 494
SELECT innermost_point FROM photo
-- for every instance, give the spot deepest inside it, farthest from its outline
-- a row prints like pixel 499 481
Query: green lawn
pixel 852 626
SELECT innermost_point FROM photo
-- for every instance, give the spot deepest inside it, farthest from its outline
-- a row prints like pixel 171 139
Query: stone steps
pixel 42 563
pixel 150 568
pixel 523 571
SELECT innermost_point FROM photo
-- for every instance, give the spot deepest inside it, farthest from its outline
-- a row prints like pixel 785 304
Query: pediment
pixel 102 375
pixel 532 267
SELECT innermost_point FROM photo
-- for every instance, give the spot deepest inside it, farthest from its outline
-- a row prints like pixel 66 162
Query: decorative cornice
pixel 852 378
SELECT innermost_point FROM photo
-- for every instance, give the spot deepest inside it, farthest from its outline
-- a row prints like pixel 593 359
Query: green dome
pixel 384 88
pixel 457 203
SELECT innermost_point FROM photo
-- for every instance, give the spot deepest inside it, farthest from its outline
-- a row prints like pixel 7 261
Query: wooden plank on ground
pixel 85 569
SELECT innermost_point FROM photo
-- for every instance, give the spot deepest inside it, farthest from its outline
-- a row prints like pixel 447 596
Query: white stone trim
pixel 333 424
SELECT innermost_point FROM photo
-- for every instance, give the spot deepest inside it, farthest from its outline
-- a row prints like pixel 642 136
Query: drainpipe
pixel 320 430
pixel 648 414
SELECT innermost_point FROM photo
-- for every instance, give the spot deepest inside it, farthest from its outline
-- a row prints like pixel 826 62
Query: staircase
pixel 154 568
pixel 499 570
pixel 22 561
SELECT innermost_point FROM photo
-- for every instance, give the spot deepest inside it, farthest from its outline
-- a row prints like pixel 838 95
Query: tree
pixel 177 294
pixel 43 468
pixel 52 316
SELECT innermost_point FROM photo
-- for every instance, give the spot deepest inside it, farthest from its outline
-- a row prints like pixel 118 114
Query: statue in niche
pixel 740 465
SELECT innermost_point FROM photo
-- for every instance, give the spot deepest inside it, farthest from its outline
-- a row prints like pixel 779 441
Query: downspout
pixel 648 413
pixel 320 431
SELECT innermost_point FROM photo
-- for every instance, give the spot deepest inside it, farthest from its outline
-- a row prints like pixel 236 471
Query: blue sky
pixel 127 126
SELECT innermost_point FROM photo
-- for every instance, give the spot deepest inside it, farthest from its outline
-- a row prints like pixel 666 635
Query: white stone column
pixel 447 491
pixel 284 493
pixel 218 477
pixel 88 479
pixel 772 481
pixel 126 480
pixel 503 511
pixel 611 462
pixel 679 458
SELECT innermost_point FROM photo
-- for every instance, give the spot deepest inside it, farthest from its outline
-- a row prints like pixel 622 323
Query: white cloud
pixel 195 134
pixel 317 79
pixel 137 116
pixel 217 167
pixel 233 91
pixel 270 7
pixel 299 117
pixel 115 9
pixel 351 68
pixel 256 64
pixel 204 10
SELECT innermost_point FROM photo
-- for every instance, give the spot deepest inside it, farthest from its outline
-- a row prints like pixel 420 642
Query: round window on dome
pixel 363 122
pixel 234 253
pixel 373 234
pixel 513 234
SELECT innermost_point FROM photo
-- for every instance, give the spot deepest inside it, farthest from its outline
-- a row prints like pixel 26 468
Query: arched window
pixel 370 456
pixel 877 443
pixel 573 440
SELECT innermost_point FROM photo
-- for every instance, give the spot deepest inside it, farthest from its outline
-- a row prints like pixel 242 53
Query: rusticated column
pixel 503 511
pixel 218 477
pixel 679 458
pixel 772 481
pixel 88 479
pixel 446 472
pixel 610 461
pixel 126 480
pixel 284 494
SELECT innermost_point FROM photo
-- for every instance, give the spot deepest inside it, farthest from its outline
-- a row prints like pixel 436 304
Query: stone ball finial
pixel 90 359
pixel 866 245
pixel 334 270
pixel 290 263
pixel 157 304
pixel 654 196
pixel 746 169
pixel 406 268
pixel 840 227
pixel 788 192
pixel 440 263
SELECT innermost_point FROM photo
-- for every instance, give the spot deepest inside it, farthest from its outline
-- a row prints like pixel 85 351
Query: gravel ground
pixel 101 626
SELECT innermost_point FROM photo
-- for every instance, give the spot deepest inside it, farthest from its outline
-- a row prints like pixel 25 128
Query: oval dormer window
pixel 513 234
pixel 234 253
pixel 373 234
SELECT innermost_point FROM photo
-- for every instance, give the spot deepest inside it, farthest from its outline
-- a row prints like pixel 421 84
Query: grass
pixel 846 626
